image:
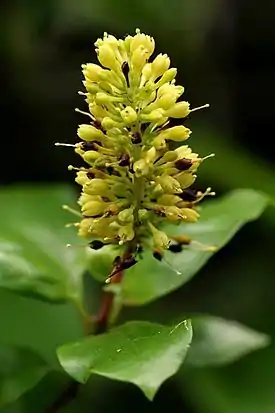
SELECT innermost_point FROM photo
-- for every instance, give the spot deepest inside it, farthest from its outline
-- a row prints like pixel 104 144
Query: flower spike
pixel 136 177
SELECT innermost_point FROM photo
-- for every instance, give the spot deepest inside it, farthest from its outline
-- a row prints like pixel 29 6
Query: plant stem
pixel 101 321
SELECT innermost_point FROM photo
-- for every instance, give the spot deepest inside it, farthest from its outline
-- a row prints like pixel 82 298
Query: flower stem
pixel 101 324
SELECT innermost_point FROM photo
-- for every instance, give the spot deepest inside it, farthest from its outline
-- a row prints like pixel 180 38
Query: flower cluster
pixel 136 177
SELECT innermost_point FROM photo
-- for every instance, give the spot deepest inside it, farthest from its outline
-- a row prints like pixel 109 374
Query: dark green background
pixel 223 50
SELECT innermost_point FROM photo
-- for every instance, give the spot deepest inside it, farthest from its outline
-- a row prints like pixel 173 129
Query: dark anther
pixel 175 248
pixel 90 175
pixel 88 146
pixel 188 195
pixel 128 262
pixel 183 164
pixel 125 70
pixel 124 160
pixel 157 255
pixel 122 264
pixel 160 213
pixel 143 127
pixel 117 260
pixel 96 244
pixel 105 199
pixel 97 124
pixel 111 171
pixel 136 138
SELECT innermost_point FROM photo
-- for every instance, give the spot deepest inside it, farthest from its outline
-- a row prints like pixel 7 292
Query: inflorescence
pixel 136 177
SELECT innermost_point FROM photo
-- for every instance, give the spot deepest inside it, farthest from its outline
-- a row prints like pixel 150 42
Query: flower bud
pixel 169 156
pixel 150 155
pixel 176 133
pixel 91 87
pixel 81 178
pixel 169 184
pixel 98 111
pixel 161 240
pixel 143 40
pixel 93 72
pixel 147 71
pixel 155 116
pixel 168 199
pixel 160 65
pixel 84 227
pixel 179 110
pixel 108 123
pixel 143 215
pixel 93 208
pixel 168 76
pixel 190 215
pixel 102 98
pixel 186 179
pixel 141 168
pixel 173 213
pixel 139 58
pixel 126 233
pixel 120 190
pixel 83 199
pixel 89 133
pixel 159 143
pixel 126 216
pixel 128 115
pixel 106 57
pixel 91 156
pixel 96 187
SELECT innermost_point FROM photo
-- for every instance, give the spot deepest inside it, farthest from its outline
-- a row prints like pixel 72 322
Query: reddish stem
pixel 102 319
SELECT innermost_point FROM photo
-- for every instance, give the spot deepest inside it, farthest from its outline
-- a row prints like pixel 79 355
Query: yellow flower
pixel 136 179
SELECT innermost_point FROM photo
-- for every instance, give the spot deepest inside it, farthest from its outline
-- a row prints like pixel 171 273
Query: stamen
pixel 200 107
pixel 201 195
pixel 74 168
pixel 72 224
pixel 65 144
pixel 207 157
pixel 76 246
pixel 73 211
pixel 84 113
pixel 203 247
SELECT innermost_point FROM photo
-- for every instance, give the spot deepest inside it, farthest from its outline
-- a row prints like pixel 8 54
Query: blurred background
pixel 224 52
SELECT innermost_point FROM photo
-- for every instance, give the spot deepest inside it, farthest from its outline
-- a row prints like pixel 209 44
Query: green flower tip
pixel 135 178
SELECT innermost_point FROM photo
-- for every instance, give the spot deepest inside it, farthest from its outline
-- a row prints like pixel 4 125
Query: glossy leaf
pixel 20 371
pixel 141 353
pixel 33 254
pixel 217 341
pixel 220 220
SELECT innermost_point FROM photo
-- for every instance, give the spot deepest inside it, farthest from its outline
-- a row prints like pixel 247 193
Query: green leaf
pixel 20 371
pixel 217 341
pixel 141 353
pixel 37 325
pixel 220 220
pixel 243 387
pixel 33 254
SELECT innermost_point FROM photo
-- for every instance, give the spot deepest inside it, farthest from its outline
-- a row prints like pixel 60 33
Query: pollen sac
pixel 138 172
